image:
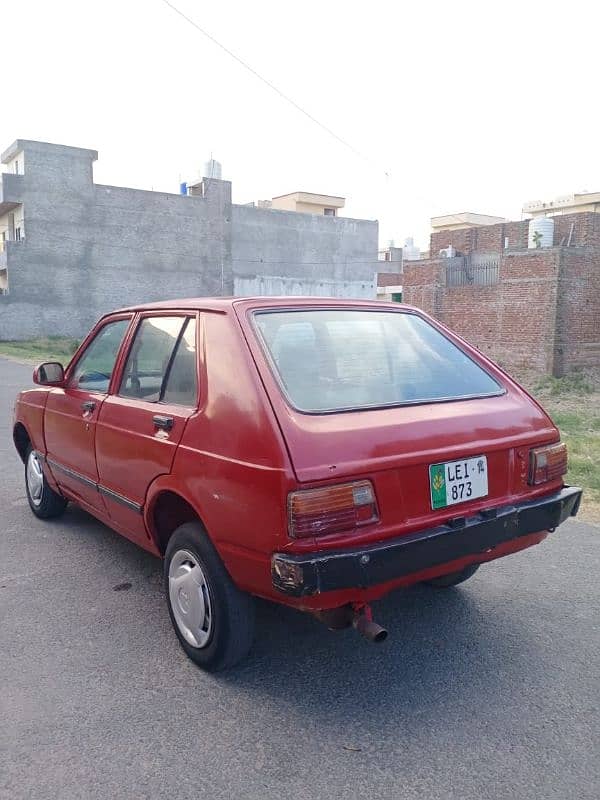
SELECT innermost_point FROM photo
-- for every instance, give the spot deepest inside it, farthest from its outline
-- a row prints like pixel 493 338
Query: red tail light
pixel 547 463
pixel 331 509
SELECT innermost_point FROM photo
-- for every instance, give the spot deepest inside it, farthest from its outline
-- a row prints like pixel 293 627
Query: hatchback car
pixel 317 453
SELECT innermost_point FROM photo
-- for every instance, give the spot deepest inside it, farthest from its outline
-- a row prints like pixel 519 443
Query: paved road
pixel 487 691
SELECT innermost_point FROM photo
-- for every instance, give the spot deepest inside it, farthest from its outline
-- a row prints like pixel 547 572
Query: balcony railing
pixel 462 271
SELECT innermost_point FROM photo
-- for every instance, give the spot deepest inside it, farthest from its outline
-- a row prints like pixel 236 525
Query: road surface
pixel 490 690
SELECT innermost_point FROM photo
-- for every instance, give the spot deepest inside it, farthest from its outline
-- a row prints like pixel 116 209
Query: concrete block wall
pixel 90 248
pixel 308 246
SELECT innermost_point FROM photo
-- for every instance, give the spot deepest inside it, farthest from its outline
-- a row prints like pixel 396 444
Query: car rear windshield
pixel 337 360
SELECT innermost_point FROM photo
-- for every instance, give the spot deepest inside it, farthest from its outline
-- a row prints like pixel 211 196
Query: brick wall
pixel 543 314
pixel 490 238
pixel 586 229
pixel 578 318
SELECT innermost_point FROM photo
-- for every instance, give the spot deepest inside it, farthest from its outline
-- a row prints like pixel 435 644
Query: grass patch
pixel 47 348
pixel 574 405
pixel 577 384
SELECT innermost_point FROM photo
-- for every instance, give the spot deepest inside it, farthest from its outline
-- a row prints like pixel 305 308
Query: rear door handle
pixel 166 423
pixel 88 405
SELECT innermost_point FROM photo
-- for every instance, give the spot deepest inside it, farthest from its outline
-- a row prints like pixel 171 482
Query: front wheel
pixel 43 500
pixel 213 619
pixel 454 578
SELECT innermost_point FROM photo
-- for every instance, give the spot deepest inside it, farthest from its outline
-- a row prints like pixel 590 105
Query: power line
pixel 268 83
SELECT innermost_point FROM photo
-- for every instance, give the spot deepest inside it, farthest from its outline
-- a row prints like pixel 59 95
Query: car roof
pixel 223 304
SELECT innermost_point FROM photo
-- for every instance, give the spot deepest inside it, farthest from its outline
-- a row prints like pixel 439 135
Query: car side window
pixel 181 386
pixel 150 357
pixel 94 369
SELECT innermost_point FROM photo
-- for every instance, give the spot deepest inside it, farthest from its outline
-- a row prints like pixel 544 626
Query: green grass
pixel 578 419
pixel 570 385
pixel 49 348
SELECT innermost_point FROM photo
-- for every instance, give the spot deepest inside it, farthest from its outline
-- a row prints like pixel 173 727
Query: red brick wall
pixel 512 321
pixel 389 278
pixel 490 238
pixel 461 240
pixel 578 329
pixel 586 230
pixel 421 283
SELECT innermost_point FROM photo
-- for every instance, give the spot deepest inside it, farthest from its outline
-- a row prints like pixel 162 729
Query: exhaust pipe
pixel 369 629
pixel 358 615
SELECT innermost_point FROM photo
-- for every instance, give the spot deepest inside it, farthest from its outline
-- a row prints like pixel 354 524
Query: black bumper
pixel 385 561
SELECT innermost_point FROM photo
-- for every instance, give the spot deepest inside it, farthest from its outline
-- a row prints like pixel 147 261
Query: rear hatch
pixel 389 396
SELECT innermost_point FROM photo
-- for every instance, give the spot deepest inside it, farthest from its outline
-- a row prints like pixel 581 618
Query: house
pixel 73 249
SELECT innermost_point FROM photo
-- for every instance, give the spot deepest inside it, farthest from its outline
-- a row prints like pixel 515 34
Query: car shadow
pixel 446 648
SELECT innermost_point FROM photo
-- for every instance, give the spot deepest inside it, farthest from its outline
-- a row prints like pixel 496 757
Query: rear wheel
pixel 213 619
pixel 43 500
pixel 453 578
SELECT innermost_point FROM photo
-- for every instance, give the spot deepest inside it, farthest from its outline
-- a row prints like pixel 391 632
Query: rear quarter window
pixel 335 360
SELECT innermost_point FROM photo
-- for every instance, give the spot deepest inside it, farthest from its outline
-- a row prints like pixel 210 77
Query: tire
pixel 43 500
pixel 213 619
pixel 454 578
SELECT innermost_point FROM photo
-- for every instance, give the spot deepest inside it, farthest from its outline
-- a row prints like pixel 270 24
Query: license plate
pixel 458 481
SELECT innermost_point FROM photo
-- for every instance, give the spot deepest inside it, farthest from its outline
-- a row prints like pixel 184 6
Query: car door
pixel 142 422
pixel 72 412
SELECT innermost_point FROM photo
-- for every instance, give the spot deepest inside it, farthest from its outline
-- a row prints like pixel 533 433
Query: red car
pixel 318 453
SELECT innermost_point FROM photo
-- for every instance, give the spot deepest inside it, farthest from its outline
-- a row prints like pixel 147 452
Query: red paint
pixel 235 458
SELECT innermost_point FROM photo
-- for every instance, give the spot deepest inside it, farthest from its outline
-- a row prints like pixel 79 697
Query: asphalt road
pixel 490 690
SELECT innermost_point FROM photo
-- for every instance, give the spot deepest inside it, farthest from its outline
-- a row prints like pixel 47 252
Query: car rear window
pixel 336 360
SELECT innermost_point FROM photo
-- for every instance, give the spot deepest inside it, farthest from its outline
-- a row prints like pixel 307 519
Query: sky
pixel 447 107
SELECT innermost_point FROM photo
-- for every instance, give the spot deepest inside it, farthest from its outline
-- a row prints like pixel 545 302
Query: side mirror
pixel 51 373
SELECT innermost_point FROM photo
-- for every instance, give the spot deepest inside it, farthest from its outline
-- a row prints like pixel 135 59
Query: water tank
pixel 410 252
pixel 212 169
pixel 541 232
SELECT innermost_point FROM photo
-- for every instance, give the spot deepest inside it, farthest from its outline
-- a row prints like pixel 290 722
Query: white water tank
pixel 212 169
pixel 541 232
pixel 410 252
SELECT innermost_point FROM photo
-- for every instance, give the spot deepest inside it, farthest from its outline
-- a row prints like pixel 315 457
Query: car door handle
pixel 166 423
pixel 88 405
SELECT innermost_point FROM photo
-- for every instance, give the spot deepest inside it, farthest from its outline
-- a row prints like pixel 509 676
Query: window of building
pixel 94 369
pixel 18 233
pixel 329 212
pixel 396 297
pixel 17 167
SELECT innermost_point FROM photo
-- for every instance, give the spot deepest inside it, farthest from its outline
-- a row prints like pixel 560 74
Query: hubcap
pixel 35 478
pixel 190 598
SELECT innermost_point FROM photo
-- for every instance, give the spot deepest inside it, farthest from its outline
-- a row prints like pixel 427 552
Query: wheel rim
pixel 35 479
pixel 190 598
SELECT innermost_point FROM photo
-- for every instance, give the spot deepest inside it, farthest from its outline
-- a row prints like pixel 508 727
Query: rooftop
pixel 24 144
pixel 313 197
pixel 563 201
pixel 464 219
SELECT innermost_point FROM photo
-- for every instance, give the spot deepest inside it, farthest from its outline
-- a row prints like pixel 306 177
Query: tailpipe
pixel 364 624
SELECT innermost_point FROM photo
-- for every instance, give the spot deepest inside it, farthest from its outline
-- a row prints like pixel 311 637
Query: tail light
pixel 331 509
pixel 547 463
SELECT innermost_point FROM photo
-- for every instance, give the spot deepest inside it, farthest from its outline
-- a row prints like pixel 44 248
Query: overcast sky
pixel 466 105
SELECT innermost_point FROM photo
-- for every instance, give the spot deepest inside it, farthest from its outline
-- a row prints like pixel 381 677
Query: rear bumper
pixel 305 575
